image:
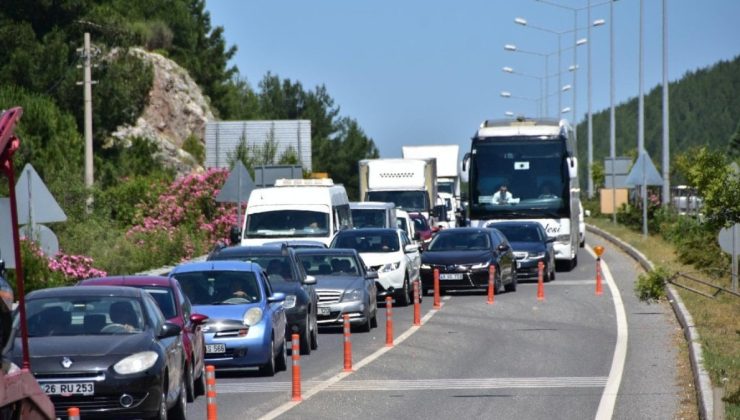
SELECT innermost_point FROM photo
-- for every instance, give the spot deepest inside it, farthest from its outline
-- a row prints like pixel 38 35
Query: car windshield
pixel 84 315
pixel 369 218
pixel 330 265
pixel 367 242
pixel 460 241
pixel 282 223
pixel 276 266
pixel 213 287
pixel 519 233
pixel 165 299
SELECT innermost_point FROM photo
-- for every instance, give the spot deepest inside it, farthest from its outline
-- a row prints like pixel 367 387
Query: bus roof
pixel 524 127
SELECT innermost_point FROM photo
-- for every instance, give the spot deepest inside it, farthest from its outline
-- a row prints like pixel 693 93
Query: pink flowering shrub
pixel 61 270
pixel 185 220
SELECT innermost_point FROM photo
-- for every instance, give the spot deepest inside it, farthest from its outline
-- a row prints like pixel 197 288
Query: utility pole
pixel 666 138
pixel 87 97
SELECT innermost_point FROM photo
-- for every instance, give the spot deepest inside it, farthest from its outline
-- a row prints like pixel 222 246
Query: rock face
pixel 176 110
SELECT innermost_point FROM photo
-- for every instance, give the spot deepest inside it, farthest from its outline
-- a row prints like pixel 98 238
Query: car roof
pixel 326 251
pixel 297 243
pixel 242 251
pixel 226 265
pixel 127 281
pixel 119 291
pixel 464 230
pixel 369 230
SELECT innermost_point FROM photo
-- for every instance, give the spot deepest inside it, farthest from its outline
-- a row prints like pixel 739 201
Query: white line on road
pixel 336 378
pixel 609 397
pixel 424 384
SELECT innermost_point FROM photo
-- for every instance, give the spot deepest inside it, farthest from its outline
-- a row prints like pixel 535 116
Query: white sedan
pixel 391 253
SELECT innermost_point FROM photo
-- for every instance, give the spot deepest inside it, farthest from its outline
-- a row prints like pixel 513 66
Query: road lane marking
pixel 609 396
pixel 357 366
pixel 425 384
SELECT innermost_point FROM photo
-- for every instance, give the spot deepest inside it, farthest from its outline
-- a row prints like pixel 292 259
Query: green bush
pixel 650 287
pixel 195 147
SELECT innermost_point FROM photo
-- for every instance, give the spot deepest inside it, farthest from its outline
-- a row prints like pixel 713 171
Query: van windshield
pixel 282 223
pixel 362 218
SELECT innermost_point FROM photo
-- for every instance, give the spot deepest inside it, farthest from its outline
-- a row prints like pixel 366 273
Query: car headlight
pixel 537 256
pixel 352 295
pixel 390 267
pixel 426 266
pixel 137 362
pixel 480 266
pixel 252 317
pixel 563 238
pixel 289 301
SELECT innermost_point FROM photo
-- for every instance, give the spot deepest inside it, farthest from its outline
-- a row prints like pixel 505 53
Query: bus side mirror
pixel 440 213
pixel 466 158
pixel 572 167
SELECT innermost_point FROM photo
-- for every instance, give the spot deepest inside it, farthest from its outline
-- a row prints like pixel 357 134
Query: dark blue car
pixel 531 245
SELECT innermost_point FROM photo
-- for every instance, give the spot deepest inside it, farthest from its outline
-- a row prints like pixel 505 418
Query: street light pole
pixel 590 116
pixel 666 139
pixel 641 126
pixel 612 117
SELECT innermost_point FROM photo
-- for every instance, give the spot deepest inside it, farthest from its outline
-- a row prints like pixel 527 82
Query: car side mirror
pixel 276 297
pixel 550 239
pixel 309 280
pixel 502 248
pixel 169 329
pixel 235 235
pixel 410 248
pixel 198 319
pixel 371 275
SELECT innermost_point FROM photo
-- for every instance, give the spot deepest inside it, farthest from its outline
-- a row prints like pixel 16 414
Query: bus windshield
pixel 534 172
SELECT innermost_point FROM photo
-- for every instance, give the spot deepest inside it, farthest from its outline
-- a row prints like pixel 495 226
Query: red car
pixel 423 230
pixel 176 308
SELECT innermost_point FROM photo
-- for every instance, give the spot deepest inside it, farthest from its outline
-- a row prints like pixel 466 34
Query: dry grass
pixel 717 320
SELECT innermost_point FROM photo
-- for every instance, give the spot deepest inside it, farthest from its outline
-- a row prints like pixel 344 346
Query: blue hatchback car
pixel 246 319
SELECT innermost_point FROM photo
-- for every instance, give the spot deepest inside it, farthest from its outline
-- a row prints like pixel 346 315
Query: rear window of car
pixel 165 299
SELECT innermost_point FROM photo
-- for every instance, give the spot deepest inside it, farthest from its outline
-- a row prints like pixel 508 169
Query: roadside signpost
pixel 729 241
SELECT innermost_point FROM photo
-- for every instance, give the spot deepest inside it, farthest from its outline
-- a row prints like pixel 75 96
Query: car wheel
pixel 190 380
pixel 511 287
pixel 374 319
pixel 306 338
pixel 281 363
pixel 268 369
pixel 200 381
pixel 405 299
pixel 180 410
pixel 315 334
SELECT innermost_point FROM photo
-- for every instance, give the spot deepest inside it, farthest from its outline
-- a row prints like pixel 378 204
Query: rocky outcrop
pixel 177 109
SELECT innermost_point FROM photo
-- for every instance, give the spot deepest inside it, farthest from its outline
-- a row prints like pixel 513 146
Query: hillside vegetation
pixel 704 111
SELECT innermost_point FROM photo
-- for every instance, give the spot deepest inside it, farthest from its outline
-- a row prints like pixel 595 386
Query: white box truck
pixel 409 183
pixel 448 175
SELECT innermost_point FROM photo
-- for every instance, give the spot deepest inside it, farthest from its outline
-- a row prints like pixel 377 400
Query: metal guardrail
pixel 686 276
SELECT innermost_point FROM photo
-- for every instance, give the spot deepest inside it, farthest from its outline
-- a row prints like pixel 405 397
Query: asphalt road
pixel 519 358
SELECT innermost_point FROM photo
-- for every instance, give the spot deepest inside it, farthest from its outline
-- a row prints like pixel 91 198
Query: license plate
pixel 71 388
pixel 451 276
pixel 324 311
pixel 215 348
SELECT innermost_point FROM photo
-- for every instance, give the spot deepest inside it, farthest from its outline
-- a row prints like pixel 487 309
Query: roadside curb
pixel 701 377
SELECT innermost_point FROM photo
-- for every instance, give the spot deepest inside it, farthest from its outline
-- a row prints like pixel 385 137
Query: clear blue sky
pixel 428 72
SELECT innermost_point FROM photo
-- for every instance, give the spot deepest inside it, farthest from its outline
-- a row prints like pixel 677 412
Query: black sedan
pixel 287 276
pixel 531 245
pixel 463 257
pixel 106 350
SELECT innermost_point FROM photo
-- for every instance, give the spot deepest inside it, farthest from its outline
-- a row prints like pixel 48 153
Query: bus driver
pixel 502 196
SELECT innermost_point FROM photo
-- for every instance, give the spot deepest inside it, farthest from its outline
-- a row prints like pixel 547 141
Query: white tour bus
pixel 535 160
pixel 312 209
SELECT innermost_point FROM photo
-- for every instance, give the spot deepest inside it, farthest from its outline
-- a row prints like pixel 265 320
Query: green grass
pixel 717 320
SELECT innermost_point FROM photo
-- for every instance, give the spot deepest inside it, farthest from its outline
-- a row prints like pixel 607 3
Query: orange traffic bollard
pixel 417 305
pixel 211 412
pixel 491 284
pixel 296 367
pixel 540 282
pixel 347 345
pixel 73 413
pixel 388 322
pixel 436 305
pixel 598 250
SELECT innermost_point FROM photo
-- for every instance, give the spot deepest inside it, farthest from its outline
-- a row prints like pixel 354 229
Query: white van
pixel 313 209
